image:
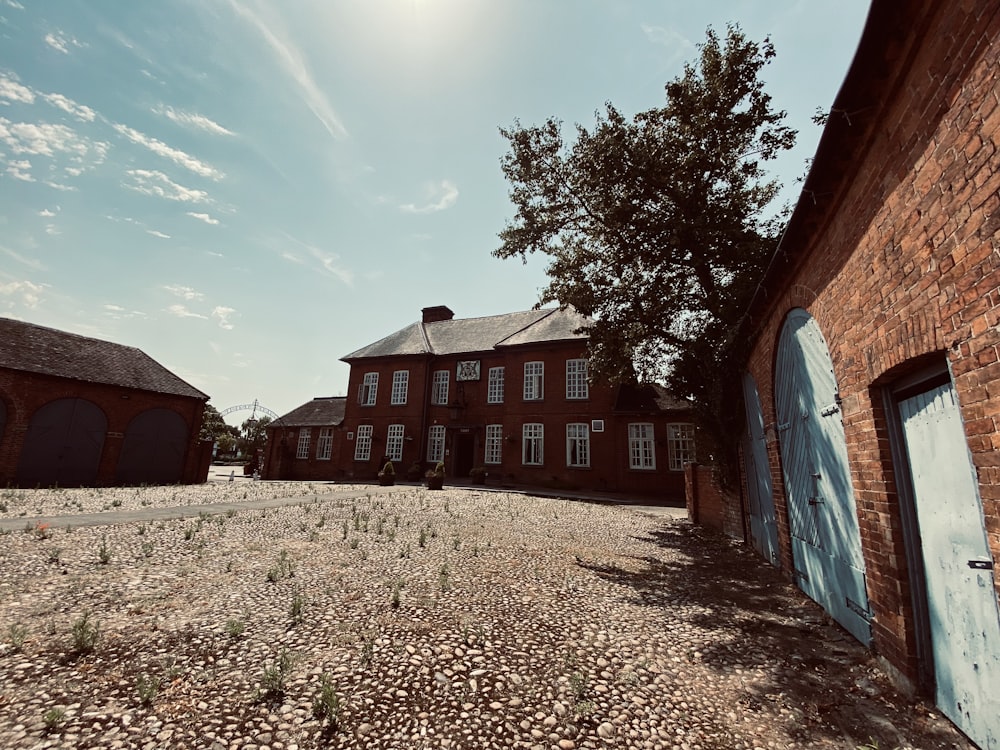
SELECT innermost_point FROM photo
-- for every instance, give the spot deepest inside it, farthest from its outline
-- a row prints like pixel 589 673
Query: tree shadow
pixel 738 613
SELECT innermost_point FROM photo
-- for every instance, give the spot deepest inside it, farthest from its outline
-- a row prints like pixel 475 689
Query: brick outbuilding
pixel 873 386
pixel 78 411
pixel 306 442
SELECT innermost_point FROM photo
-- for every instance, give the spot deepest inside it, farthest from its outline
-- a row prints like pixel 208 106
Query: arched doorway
pixel 154 449
pixel 63 444
pixel 823 521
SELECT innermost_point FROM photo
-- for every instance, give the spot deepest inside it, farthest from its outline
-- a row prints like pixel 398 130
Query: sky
pixel 248 190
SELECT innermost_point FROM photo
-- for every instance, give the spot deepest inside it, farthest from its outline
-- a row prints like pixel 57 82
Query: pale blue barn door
pixel 760 495
pixel 961 599
pixel 826 541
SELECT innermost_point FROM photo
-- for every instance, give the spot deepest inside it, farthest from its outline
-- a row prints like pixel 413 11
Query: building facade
pixel 305 444
pixel 78 411
pixel 509 394
pixel 873 406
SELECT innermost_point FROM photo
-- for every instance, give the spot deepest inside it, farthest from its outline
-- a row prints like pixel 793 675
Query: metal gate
pixel 63 444
pixel 961 600
pixel 154 449
pixel 826 541
pixel 763 525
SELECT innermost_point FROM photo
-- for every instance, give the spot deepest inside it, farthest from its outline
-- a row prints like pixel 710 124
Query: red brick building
pixel 508 393
pixel 305 444
pixel 873 387
pixel 77 411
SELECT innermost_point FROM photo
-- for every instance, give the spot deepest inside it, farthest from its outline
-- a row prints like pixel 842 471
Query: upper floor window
pixel 533 444
pixel 494 386
pixel 578 444
pixel 680 444
pixel 640 446
pixel 533 380
pixel 324 446
pixel 400 383
pixel 439 387
pixel 435 443
pixel 494 443
pixel 576 379
pixel 363 444
pixel 302 450
pixel 368 389
pixel 394 443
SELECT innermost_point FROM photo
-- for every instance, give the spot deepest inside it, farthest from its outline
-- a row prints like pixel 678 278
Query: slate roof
pixel 322 411
pixel 477 334
pixel 647 397
pixel 32 348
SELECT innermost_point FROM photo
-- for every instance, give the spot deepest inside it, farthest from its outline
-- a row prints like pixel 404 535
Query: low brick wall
pixel 710 505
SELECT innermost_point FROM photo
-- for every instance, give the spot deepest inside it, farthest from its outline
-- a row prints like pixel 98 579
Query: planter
pixel 435 483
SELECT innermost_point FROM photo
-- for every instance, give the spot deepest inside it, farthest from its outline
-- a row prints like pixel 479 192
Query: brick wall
pixel 710 505
pixel 900 266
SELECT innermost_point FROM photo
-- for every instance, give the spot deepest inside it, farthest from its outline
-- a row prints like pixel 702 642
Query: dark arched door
pixel 154 449
pixel 63 444
pixel 822 515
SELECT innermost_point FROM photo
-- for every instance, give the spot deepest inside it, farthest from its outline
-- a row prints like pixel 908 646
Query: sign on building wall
pixel 468 370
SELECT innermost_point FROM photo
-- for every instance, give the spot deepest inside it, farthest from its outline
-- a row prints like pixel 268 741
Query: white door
pixel 961 598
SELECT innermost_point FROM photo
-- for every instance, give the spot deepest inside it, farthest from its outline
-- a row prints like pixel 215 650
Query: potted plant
pixel 435 476
pixel 478 475
pixel 387 476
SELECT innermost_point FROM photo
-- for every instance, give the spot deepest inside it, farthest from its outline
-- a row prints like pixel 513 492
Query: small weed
pixel 42 531
pixel 274 677
pixel 578 686
pixel 189 533
pixel 141 530
pixel 147 549
pixel 443 581
pixel 354 542
pixel 147 688
pixel 104 552
pixel 54 555
pixel 284 568
pixel 367 652
pixel 321 522
pixel 54 718
pixel 422 540
pixel 327 706
pixel 16 634
pixel 297 610
pixel 85 634
pixel 396 594
pixel 345 530
pixel 235 628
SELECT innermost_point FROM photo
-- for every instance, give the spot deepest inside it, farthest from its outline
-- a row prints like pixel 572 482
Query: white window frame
pixel 641 446
pixel 534 381
pixel 368 390
pixel 680 445
pixel 363 443
pixel 302 449
pixel 578 444
pixel 577 385
pixel 494 386
pixel 394 442
pixel 435 443
pixel 533 444
pixel 400 386
pixel 439 387
pixel 324 445
pixel 493 453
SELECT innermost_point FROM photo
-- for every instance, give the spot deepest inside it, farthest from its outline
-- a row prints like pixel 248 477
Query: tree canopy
pixel 655 226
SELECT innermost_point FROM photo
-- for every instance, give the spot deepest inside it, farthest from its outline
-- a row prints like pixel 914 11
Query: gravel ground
pixel 416 619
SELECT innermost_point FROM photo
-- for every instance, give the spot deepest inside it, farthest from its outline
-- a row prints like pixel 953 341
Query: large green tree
pixel 656 226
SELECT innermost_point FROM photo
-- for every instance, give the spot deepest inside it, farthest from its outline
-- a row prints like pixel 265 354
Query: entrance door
pixel 962 609
pixel 154 449
pixel 826 540
pixel 763 525
pixel 63 444
pixel 464 447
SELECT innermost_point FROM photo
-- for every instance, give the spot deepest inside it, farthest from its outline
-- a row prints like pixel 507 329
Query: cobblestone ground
pixel 418 619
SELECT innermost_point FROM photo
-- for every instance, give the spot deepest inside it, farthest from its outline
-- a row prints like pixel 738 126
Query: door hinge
pixel 826 411
pixel 857 609
pixel 784 426
pixel 816 501
pixel 981 564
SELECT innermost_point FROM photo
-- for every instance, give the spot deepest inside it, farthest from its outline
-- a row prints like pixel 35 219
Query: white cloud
pixel 439 197
pixel 192 120
pixel 292 61
pixel 181 311
pixel 117 312
pixel 185 292
pixel 52 229
pixel 14 4
pixel 159 234
pixel 203 217
pixel 46 139
pixel 13 91
pixel 222 315
pixel 68 105
pixel 114 308
pixel 327 261
pixel 175 155
pixel 152 182
pixel 25 292
pixel 33 263
pixel 47 213
pixel 20 170
pixel 60 42
pixel 59 186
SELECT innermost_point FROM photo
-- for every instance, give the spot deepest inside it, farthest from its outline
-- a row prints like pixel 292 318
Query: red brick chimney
pixel 438 313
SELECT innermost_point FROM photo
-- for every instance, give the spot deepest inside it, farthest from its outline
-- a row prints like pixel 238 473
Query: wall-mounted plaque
pixel 468 370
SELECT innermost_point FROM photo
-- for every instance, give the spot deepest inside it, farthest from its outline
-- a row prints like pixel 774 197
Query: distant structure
pixel 508 393
pixel 78 411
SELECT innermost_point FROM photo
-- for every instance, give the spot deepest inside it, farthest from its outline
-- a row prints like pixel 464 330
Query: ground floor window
pixel 494 443
pixel 394 443
pixel 533 444
pixel 302 451
pixel 324 446
pixel 680 444
pixel 363 443
pixel 640 446
pixel 577 445
pixel 435 443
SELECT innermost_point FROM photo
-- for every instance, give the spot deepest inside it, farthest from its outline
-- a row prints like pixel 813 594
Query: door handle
pixel 981 564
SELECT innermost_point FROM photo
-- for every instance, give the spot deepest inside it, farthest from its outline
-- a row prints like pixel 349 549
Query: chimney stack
pixel 436 314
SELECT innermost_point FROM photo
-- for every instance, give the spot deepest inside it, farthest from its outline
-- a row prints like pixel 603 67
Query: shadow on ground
pixel 745 615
